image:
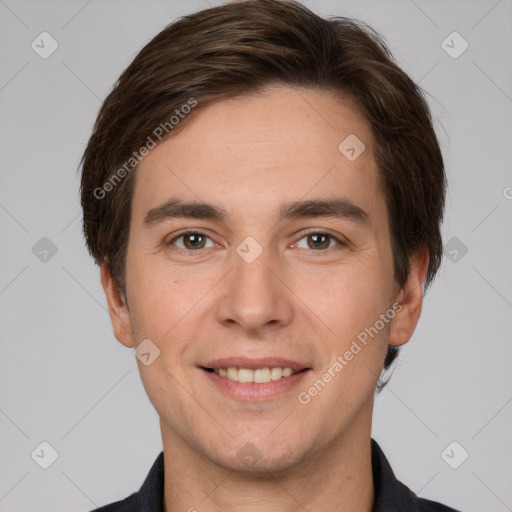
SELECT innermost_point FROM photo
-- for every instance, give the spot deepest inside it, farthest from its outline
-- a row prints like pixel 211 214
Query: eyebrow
pixel 337 207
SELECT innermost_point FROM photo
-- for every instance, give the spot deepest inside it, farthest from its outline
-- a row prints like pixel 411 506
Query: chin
pixel 266 462
pixel 259 456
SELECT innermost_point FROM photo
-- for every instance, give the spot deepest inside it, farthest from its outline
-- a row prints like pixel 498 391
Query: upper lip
pixel 254 364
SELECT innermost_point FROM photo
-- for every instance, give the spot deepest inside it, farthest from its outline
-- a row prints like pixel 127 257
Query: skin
pixel 250 154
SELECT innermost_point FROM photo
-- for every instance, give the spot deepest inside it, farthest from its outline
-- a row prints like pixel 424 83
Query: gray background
pixel 67 381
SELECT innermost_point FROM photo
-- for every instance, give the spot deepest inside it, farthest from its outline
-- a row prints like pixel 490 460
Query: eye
pixel 318 241
pixel 195 240
pixel 191 241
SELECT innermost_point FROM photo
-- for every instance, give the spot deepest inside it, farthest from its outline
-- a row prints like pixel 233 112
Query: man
pixel 263 192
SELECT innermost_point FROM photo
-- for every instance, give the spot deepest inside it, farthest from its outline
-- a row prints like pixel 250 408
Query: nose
pixel 256 296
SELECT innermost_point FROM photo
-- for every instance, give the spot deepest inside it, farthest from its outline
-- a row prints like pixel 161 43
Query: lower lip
pixel 253 391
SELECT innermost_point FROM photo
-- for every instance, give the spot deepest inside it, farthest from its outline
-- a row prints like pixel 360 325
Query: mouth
pixel 257 380
pixel 258 376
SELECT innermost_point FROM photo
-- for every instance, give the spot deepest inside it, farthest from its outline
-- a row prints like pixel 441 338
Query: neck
pixel 337 476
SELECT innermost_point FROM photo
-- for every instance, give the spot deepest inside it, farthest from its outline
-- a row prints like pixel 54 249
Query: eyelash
pixel 198 251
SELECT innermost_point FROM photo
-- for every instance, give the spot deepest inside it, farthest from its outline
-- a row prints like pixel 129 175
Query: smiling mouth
pixel 258 376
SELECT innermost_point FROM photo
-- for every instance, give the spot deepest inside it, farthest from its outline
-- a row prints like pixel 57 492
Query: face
pixel 287 265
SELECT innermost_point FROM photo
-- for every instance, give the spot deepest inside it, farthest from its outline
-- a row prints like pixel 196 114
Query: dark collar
pixel 390 494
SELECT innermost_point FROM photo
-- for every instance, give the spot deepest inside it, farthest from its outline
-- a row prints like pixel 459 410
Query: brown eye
pixel 319 241
pixel 191 241
pixel 194 241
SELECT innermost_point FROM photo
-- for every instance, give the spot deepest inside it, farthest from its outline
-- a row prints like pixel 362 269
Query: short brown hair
pixel 239 48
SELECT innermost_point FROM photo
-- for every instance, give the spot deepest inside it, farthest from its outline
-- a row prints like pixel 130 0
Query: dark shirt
pixel 390 494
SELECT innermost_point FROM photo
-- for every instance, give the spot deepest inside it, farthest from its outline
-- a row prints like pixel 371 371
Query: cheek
pixel 160 297
pixel 347 299
pixel 170 308
pixel 156 309
pixel 357 339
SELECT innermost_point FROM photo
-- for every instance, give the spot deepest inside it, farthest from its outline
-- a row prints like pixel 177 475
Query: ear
pixel 117 308
pixel 410 298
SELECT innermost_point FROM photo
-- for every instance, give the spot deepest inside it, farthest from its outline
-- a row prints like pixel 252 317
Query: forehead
pixel 280 144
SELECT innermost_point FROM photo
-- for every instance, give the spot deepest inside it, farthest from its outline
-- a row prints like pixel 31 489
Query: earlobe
pixel 117 308
pixel 410 299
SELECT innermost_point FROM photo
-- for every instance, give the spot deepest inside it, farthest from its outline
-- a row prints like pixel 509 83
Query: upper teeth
pixel 261 375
